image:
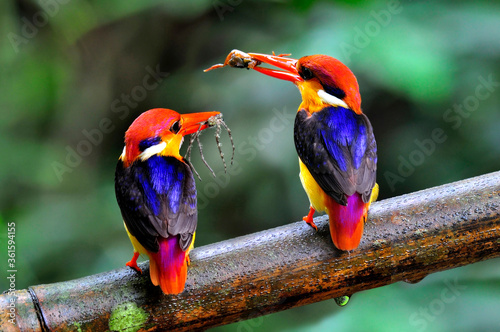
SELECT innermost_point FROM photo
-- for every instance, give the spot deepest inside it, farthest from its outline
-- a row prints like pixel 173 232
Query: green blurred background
pixel 76 69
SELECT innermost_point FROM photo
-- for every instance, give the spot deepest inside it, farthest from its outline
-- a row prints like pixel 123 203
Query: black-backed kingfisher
pixel 333 138
pixel 156 193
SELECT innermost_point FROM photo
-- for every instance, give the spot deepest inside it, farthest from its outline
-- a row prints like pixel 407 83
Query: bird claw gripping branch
pixel 214 121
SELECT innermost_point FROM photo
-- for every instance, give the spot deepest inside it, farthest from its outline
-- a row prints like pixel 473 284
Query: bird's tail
pixel 168 266
pixel 347 222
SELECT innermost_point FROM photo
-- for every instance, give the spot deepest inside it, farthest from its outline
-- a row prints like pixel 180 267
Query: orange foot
pixel 309 218
pixel 133 263
pixel 188 260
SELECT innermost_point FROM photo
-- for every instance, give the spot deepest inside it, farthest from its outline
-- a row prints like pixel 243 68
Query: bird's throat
pixel 310 99
pixel 310 103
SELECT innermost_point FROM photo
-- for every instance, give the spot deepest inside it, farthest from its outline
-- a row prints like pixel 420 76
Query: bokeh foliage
pixel 67 66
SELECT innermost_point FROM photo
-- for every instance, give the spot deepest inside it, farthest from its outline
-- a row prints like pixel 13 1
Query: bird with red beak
pixel 333 138
pixel 156 193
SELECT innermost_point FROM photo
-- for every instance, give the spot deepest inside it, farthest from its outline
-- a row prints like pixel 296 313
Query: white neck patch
pixel 152 150
pixel 332 100
pixel 122 156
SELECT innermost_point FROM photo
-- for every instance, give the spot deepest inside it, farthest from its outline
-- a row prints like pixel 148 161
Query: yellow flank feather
pixel 374 195
pixel 313 190
pixel 137 246
pixel 317 197
pixel 191 246
pixel 141 250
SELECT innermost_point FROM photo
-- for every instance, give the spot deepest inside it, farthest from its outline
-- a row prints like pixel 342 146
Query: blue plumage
pixel 152 199
pixel 157 196
pixel 338 148
pixel 344 135
pixel 165 178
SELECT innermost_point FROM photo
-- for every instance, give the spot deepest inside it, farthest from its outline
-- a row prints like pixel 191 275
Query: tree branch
pixel 406 238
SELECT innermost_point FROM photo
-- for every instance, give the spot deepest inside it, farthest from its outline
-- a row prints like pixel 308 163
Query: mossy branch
pixel 406 238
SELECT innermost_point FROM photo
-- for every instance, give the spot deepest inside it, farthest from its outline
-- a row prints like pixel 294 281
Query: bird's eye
pixel 306 73
pixel 175 127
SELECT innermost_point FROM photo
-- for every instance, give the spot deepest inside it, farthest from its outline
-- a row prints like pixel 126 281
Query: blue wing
pixel 339 150
pixel 157 197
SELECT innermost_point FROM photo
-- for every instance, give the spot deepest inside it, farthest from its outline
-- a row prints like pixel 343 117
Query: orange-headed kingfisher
pixel 156 192
pixel 333 138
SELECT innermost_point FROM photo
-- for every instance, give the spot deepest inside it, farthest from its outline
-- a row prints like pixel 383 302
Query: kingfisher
pixel 333 138
pixel 156 193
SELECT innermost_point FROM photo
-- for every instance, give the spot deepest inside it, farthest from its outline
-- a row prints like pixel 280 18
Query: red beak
pixel 193 122
pixel 289 66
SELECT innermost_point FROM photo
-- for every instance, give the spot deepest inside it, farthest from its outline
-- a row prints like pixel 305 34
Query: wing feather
pixel 339 150
pixel 157 197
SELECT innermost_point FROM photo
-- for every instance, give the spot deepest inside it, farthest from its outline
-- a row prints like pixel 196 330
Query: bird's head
pixel 321 79
pixel 160 131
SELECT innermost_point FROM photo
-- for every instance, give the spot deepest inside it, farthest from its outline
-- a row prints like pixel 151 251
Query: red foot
pixel 133 263
pixel 309 218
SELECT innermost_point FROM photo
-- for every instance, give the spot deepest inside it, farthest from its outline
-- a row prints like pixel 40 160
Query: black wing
pixel 157 197
pixel 338 148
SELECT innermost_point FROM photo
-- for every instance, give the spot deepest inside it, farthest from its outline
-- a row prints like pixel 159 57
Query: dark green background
pixel 67 66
